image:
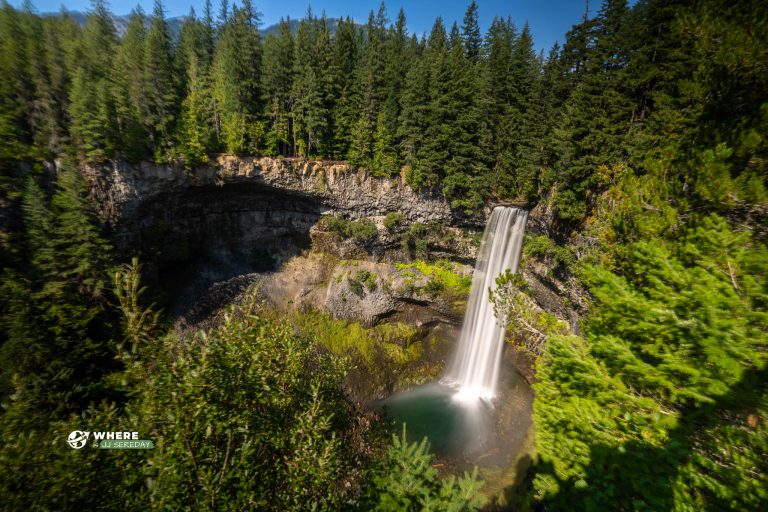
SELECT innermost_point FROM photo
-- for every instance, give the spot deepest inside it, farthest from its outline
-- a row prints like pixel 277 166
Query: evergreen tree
pixel 57 329
pixel 132 105
pixel 278 83
pixel 15 88
pixel 372 79
pixel 347 46
pixel 197 137
pixel 414 104
pixel 313 87
pixel 53 87
pixel 470 33
pixel 160 85
pixel 92 104
pixel 596 115
pixel 236 77
pixel 464 130
pixel 361 149
pixel 384 161
pixel 397 62
pixel 437 131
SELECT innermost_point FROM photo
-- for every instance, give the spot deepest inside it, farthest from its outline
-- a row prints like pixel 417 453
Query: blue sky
pixel 549 19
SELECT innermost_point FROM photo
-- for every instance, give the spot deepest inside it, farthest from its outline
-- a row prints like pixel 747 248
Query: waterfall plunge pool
pixel 465 433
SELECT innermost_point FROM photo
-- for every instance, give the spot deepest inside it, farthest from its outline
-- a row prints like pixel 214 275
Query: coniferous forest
pixel 644 138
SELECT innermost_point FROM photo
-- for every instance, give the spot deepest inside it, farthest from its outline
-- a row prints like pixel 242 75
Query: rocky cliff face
pixel 240 215
pixel 122 189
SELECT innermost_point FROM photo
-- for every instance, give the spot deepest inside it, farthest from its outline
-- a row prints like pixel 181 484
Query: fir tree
pixel 470 33
pixel 384 161
pixel 57 328
pixel 92 107
pixel 132 104
pixel 237 82
pixel 347 48
pixel 278 83
pixel 160 86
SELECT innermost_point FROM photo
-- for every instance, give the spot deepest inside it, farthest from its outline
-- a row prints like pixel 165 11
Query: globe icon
pixel 77 439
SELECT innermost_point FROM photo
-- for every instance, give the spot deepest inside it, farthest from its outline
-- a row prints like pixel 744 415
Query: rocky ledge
pixel 121 188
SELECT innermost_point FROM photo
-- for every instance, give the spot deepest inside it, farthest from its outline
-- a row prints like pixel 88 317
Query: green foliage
pixel 653 377
pixel 442 274
pixel 241 400
pixel 527 325
pixel 55 327
pixel 379 96
pixel 415 239
pixel 646 129
pixel 139 322
pixel 393 221
pixel 363 279
pixel 248 397
pixel 362 230
pixel 394 341
pixel 406 480
pixel 541 246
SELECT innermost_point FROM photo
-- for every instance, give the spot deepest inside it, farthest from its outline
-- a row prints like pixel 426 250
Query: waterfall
pixel 475 370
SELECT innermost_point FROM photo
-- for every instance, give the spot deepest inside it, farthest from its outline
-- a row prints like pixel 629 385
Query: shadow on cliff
pixel 199 236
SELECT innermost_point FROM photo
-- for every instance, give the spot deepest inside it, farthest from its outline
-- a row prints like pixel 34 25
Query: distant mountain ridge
pixel 175 23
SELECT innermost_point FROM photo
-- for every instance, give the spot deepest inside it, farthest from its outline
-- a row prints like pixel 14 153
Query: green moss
pixel 340 337
pixel 397 342
pixel 442 273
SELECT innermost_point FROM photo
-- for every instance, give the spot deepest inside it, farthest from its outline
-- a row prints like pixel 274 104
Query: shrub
pixel 393 220
pixel 335 224
pixel 434 287
pixel 362 230
pixel 560 257
pixel 406 480
pixel 356 286
pixel 367 278
pixel 415 235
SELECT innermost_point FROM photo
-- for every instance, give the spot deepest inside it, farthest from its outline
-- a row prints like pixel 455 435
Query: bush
pixel 415 239
pixel 406 480
pixel 362 230
pixel 393 220
pixel 249 397
pixel 356 286
pixel 335 224
pixel 434 287
pixel 541 246
pixel 368 279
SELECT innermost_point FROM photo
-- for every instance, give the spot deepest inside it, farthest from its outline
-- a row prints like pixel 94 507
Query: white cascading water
pixel 475 370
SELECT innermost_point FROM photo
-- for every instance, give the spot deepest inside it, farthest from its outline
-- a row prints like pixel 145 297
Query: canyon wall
pixel 122 189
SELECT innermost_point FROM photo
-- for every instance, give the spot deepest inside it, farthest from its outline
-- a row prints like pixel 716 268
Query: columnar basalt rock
pixel 121 188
